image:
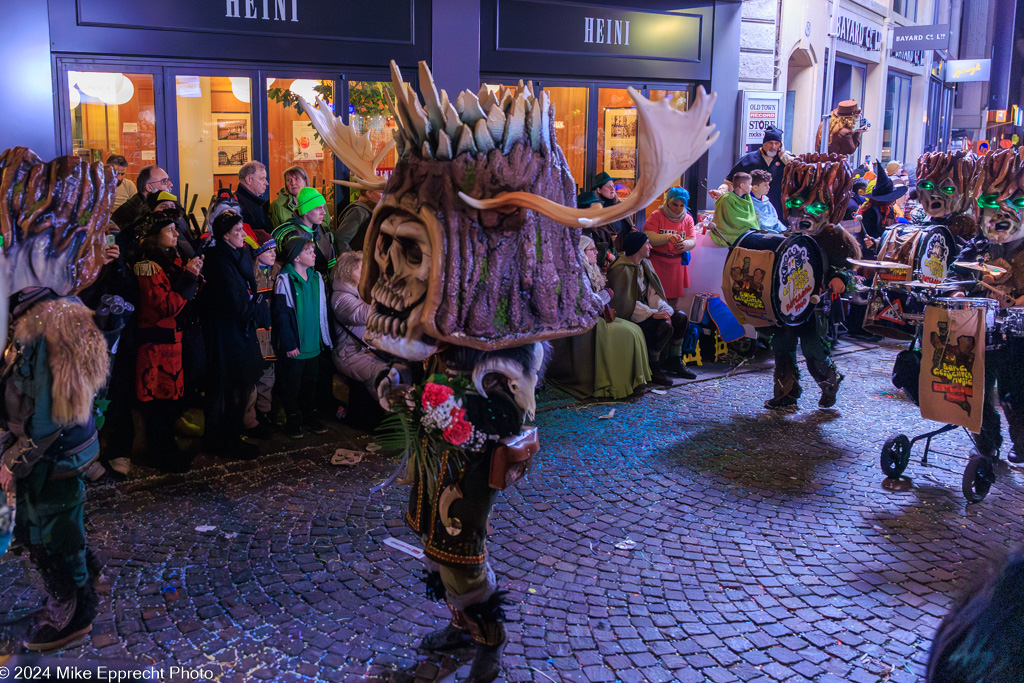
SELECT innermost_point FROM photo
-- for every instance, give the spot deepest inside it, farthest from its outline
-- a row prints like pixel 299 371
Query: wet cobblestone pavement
pixel 766 549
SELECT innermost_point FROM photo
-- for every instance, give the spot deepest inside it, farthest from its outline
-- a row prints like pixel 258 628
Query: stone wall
pixel 758 45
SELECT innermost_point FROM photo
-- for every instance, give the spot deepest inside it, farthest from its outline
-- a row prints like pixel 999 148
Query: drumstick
pixel 1009 299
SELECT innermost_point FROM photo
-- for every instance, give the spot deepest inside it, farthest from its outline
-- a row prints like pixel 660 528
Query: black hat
pixel 772 134
pixel 585 199
pixel 292 246
pixel 884 190
pixel 632 242
pixel 224 222
pixel 151 224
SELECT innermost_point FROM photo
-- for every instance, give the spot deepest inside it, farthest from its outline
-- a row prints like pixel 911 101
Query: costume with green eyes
pixel 945 190
pixel 1000 202
pixel 815 192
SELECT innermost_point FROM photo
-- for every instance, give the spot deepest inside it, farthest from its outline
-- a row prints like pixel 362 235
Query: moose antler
pixel 354 150
pixel 670 142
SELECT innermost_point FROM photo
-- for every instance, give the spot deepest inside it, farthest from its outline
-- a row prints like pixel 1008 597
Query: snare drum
pixel 1013 322
pixel 927 248
pixel 993 336
pixel 894 313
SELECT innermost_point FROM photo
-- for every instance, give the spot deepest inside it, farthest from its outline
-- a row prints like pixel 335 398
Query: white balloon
pixel 240 88
pixel 304 88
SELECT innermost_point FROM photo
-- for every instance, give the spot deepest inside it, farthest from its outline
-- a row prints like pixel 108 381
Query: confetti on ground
pixel 610 415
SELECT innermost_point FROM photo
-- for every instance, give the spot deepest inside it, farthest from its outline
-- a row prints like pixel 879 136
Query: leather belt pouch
pixel 511 459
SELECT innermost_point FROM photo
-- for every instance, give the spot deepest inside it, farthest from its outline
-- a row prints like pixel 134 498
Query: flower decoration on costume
pixel 442 411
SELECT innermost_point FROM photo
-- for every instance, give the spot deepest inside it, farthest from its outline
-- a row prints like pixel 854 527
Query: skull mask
pixel 807 219
pixel 944 181
pixel 939 199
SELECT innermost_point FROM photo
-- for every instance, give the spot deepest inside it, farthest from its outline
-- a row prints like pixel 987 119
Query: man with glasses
pixel 151 179
pixel 125 188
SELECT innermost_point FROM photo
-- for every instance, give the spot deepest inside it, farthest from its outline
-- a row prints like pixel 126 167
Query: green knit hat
pixel 309 199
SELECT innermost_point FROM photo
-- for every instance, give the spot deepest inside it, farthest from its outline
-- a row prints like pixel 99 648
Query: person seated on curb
pixel 637 295
pixel 767 216
pixel 604 236
pixel 734 212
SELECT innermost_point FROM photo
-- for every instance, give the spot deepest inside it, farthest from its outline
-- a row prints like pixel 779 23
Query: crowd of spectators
pixel 239 322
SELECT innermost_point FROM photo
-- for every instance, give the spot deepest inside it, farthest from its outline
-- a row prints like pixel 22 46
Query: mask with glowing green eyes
pixel 809 219
pixel 1001 221
pixel 939 199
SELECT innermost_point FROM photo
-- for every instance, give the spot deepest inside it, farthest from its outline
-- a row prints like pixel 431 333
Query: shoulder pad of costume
pixel 146 269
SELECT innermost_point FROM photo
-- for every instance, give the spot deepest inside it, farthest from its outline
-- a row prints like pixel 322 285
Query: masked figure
pixel 53 218
pixel 815 192
pixel 471 261
pixel 1000 197
pixel 945 184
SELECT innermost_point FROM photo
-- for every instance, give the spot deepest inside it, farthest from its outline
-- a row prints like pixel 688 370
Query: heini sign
pixel 249 9
pixel 606 31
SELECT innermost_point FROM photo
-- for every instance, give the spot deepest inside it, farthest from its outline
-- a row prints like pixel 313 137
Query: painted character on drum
pixel 815 191
pixel 477 221
pixel 945 183
pixel 1000 246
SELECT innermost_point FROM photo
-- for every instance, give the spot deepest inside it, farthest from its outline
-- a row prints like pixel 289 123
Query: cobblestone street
pixel 766 549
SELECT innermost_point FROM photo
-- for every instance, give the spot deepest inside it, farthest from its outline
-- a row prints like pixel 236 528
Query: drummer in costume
pixel 877 213
pixel 815 193
pixel 1000 196
pixel 945 183
pixel 476 225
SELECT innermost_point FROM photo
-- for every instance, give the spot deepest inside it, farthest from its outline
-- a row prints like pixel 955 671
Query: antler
pixel 354 150
pixel 670 142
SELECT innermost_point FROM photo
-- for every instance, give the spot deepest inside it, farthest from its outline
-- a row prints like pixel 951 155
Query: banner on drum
pixel 747 285
pixel 952 382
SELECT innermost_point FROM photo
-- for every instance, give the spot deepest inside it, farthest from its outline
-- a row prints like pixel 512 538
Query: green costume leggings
pixel 51 515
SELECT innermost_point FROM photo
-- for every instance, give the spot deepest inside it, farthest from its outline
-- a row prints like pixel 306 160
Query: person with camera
pixel 845 126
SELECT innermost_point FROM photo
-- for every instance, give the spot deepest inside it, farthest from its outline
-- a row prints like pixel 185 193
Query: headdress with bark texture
pixel 450 254
pixel 945 181
pixel 1000 195
pixel 818 178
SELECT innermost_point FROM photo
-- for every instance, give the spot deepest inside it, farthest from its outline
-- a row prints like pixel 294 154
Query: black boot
pixel 1015 425
pixel 658 375
pixel 672 362
pixel 829 388
pixel 451 637
pixel 786 385
pixel 488 630
pixel 70 610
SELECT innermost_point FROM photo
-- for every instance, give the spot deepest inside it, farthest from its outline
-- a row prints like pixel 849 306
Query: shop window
pixel 897 111
pixel 907 8
pixel 368 112
pixel 214 136
pixel 680 99
pixel 113 113
pixel 291 139
pixel 616 138
pixel 570 105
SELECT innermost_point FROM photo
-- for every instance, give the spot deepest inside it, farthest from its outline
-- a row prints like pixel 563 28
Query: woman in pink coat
pixel 672 233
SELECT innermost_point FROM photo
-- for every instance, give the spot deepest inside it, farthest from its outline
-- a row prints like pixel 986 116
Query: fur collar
pixel 76 350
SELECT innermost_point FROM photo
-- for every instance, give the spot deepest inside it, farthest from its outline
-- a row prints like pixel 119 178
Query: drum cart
pixel 979 473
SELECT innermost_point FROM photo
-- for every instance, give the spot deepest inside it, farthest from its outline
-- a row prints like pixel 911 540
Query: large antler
pixel 670 142
pixel 354 150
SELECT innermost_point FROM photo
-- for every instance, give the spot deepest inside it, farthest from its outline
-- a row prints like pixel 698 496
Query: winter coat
pixel 252 210
pixel 285 323
pixel 228 315
pixel 350 357
pixel 323 241
pixel 352 225
pixel 164 289
pixel 264 278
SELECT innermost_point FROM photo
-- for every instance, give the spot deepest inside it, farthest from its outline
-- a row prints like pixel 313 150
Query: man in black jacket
pixel 768 157
pixel 151 179
pixel 252 185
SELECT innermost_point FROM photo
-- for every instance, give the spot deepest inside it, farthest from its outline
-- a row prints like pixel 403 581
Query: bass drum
pixel 928 249
pixel 769 278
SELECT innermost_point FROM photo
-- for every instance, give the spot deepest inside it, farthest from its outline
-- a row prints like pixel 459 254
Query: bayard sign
pixel 910 38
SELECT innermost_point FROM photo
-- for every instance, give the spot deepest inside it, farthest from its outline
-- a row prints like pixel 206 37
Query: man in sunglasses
pixel 151 179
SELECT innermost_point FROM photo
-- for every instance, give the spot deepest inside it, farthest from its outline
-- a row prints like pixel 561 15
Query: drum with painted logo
pixel 770 279
pixel 929 249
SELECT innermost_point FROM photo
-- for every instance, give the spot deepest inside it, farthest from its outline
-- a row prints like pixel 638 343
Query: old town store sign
pixel 380 21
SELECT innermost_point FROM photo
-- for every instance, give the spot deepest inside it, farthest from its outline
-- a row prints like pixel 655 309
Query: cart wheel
pixel 978 479
pixel 896 455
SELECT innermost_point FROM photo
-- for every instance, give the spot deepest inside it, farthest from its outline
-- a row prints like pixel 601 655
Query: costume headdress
pixel 1000 195
pixel 450 256
pixel 816 187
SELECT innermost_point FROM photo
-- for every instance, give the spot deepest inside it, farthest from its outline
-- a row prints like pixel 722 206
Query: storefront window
pixel 616 137
pixel 907 8
pixel 897 111
pixel 291 138
pixel 113 113
pixel 368 112
pixel 214 135
pixel 570 105
pixel 680 99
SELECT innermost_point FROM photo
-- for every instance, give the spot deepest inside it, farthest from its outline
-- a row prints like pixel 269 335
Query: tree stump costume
pixel 945 184
pixel 53 219
pixel 471 261
pixel 999 189
pixel 815 192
